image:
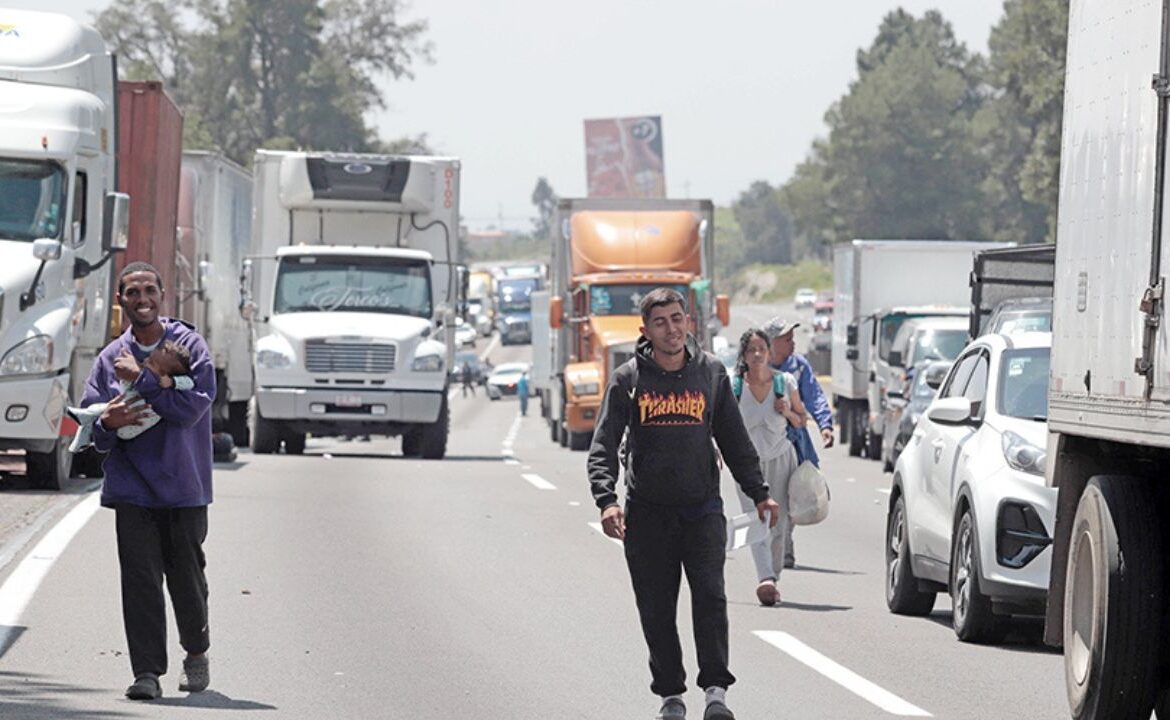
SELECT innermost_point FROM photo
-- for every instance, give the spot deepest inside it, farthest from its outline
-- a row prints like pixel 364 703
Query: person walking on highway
pixel 522 393
pixel 158 484
pixel 770 404
pixel 468 380
pixel 786 359
pixel 669 402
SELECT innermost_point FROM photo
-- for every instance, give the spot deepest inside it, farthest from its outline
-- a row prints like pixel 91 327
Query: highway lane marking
pixel 884 491
pixel 511 461
pixel 491 346
pixel 839 674
pixel 597 526
pixel 18 590
pixel 510 440
pixel 538 482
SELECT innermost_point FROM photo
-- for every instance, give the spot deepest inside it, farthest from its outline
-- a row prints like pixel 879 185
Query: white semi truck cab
pixel 354 277
pixel 60 219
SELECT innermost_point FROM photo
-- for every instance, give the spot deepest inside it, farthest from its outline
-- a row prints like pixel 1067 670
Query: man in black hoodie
pixel 674 400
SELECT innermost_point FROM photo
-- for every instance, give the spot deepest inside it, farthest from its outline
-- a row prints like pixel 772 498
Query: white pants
pixel 768 554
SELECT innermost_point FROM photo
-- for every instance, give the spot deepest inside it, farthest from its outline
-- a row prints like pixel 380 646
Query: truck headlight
pixel 273 360
pixel 34 355
pixel 1023 455
pixel 586 388
pixel 427 363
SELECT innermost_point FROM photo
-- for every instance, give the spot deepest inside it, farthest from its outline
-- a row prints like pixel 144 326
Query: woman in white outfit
pixel 768 404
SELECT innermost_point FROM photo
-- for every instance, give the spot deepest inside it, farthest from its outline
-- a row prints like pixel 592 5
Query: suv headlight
pixel 1022 455
pixel 34 355
pixel 427 363
pixel 273 360
pixel 586 388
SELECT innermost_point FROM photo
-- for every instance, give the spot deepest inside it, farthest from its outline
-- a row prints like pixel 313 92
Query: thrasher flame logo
pixel 674 409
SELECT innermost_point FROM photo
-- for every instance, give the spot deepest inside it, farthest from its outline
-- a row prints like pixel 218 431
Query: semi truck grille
pixel 321 356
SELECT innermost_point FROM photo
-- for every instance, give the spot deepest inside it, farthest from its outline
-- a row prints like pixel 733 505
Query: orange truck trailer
pixel 606 255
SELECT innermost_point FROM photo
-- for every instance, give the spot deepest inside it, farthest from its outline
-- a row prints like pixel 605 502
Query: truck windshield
pixel 516 295
pixel 937 345
pixel 32 199
pixel 622 299
pixel 1023 383
pixel 889 328
pixel 353 284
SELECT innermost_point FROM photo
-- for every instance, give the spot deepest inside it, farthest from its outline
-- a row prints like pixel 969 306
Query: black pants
pixel 660 544
pixel 153 544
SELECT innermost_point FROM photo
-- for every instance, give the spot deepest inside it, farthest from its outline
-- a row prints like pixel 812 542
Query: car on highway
pixel 805 298
pixel 465 334
pixel 1021 315
pixel 504 378
pixel 969 511
pixel 906 406
pixel 479 368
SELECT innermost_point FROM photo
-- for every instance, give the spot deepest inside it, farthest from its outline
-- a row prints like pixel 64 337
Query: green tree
pixel 766 226
pixel 545 200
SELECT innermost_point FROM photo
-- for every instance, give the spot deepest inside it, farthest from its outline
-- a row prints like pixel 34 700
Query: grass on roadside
pixel 759 283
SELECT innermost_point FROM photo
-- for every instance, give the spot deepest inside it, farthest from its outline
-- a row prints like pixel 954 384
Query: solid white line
pixel 597 526
pixel 841 675
pixel 491 346
pixel 451 393
pixel 18 589
pixel 511 461
pixel 538 482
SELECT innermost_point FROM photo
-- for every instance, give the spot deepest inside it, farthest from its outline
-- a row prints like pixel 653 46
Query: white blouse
pixel 767 428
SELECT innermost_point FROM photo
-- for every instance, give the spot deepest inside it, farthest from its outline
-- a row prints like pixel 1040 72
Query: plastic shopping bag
pixel 744 530
pixel 808 495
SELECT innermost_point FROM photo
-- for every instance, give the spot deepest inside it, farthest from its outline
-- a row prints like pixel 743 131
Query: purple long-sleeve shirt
pixel 169 465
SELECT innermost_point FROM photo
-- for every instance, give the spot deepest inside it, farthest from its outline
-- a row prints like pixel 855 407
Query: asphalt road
pixel 354 583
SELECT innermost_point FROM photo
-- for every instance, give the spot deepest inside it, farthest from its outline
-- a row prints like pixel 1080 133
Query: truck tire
pixel 237 424
pixel 972 617
pixel 50 470
pixel 1115 591
pixel 411 443
pixel 265 433
pixel 294 442
pixel 580 440
pixel 856 433
pixel 903 596
pixel 433 437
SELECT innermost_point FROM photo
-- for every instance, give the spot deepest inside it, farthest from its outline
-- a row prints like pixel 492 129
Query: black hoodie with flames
pixel 672 418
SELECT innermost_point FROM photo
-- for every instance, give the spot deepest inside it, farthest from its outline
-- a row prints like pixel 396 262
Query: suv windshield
pixel 353 284
pixel 32 199
pixel 516 295
pixel 1023 383
pixel 623 299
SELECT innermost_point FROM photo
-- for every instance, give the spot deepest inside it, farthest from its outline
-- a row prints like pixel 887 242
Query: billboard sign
pixel 624 157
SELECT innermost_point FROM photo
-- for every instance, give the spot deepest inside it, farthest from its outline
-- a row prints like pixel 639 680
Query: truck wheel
pixel 843 420
pixel 552 430
pixel 971 617
pixel 580 440
pixel 902 594
pixel 237 425
pixel 294 443
pixel 265 433
pixel 50 470
pixel 433 438
pixel 1115 590
pixel 856 434
pixel 411 443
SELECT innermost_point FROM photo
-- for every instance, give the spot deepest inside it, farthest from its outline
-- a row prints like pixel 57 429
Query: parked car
pixel 479 368
pixel 504 377
pixel 969 510
pixel 1021 315
pixel 905 407
pixel 805 298
pixel 465 335
pixel 822 316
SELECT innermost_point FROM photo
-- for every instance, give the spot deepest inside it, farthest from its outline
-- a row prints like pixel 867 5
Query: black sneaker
pixel 672 709
pixel 718 711
pixel 145 687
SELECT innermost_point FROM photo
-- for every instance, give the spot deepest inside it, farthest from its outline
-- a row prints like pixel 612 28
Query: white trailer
pixel 878 284
pixel 60 220
pixel 355 271
pixel 1109 392
pixel 215 230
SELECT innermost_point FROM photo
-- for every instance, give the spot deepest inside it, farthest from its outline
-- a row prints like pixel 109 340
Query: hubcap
pixel 1079 626
pixel 963 572
pixel 893 552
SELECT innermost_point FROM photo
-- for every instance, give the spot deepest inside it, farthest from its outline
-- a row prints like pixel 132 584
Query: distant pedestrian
pixel 673 399
pixel 770 404
pixel 468 376
pixel 159 483
pixel 784 357
pixel 522 392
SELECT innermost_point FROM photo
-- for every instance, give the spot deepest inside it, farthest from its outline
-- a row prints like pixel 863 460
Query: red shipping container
pixel 150 155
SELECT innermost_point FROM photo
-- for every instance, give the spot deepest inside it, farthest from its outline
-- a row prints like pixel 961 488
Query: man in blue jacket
pixel 784 357
pixel 159 483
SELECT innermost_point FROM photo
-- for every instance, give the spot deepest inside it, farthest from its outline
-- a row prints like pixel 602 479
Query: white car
pixel 969 510
pixel 805 298
pixel 465 334
pixel 504 379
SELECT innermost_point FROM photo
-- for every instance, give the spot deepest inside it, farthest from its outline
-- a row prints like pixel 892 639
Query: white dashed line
pixel 884 491
pixel 841 675
pixel 597 526
pixel 538 482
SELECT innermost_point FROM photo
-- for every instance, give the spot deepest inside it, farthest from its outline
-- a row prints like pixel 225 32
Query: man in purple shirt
pixel 159 484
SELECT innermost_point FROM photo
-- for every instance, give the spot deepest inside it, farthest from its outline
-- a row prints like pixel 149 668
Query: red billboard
pixel 623 157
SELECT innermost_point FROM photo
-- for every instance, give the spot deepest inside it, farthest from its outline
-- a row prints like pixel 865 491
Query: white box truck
pixel 60 220
pixel 878 285
pixel 215 230
pixel 355 274
pixel 1109 391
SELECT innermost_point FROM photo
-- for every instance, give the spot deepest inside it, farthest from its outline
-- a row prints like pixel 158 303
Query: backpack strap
pixel 737 386
pixel 779 386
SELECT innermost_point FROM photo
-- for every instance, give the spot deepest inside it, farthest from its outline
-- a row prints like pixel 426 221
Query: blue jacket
pixel 169 465
pixel 814 401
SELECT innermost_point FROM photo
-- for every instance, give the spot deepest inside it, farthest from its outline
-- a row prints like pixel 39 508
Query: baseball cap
pixel 778 326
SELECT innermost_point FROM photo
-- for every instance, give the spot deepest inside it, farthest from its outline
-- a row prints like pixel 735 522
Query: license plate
pixel 348 401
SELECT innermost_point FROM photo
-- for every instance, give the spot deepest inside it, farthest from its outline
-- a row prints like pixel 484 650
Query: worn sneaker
pixel 789 562
pixel 767 593
pixel 196 674
pixel 717 710
pixel 673 708
pixel 145 687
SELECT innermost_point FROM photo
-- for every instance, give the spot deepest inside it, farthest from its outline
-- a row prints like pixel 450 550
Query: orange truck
pixel 606 255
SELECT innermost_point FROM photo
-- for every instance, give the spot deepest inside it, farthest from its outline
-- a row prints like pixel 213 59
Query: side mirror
pixel 723 308
pixel 851 354
pixel 116 222
pixel 46 249
pixel 934 382
pixel 896 358
pixel 851 335
pixel 556 312
pixel 950 411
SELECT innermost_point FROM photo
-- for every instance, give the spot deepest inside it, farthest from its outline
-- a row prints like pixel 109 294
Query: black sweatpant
pixel 153 544
pixel 661 543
